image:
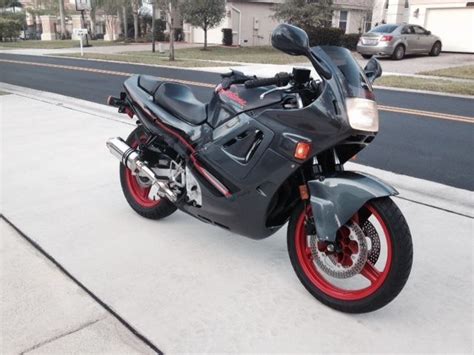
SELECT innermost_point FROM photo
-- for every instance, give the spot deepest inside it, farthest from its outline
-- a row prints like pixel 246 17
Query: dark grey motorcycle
pixel 264 152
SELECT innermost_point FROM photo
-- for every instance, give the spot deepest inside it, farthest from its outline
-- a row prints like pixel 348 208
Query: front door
pixel 423 39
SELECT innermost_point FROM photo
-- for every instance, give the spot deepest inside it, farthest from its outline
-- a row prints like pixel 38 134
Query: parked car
pixel 397 40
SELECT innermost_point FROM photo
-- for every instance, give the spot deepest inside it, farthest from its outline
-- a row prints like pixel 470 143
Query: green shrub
pixel 350 40
pixel 320 36
pixel 227 36
pixel 331 36
pixel 10 28
pixel 160 26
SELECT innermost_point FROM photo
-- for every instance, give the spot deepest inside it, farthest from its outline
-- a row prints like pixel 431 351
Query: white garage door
pixel 455 27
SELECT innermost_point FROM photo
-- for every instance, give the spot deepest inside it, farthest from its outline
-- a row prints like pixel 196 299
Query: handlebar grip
pixel 281 79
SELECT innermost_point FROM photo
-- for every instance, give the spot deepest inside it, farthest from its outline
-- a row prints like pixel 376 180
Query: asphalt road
pixel 421 146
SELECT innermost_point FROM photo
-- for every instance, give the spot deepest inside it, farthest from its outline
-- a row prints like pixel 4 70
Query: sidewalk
pixel 192 287
pixel 43 311
pixel 132 47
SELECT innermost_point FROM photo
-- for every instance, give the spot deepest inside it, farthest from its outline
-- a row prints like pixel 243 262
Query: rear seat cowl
pixel 149 83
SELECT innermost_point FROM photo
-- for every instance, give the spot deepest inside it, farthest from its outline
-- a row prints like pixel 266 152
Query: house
pixel 353 16
pixel 451 20
pixel 252 21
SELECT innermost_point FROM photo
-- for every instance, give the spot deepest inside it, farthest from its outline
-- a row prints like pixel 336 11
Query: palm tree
pixel 61 16
pixel 136 4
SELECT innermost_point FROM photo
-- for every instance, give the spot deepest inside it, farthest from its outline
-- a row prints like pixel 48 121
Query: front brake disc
pixel 371 233
pixel 329 265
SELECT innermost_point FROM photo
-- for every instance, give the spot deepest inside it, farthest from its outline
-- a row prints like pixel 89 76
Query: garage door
pixel 455 27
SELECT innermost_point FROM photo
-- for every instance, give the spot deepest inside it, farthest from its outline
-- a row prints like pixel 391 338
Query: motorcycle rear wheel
pixel 384 273
pixel 136 192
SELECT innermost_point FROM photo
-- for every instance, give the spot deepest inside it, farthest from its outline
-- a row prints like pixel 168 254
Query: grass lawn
pixel 196 57
pixel 453 87
pixel 263 54
pixel 147 58
pixel 67 43
pixel 464 72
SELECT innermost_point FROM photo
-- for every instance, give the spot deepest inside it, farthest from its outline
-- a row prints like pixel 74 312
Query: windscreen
pixel 384 29
pixel 346 71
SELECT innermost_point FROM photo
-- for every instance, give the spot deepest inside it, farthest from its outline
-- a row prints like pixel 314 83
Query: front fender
pixel 337 198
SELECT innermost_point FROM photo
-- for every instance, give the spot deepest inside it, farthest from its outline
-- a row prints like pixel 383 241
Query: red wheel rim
pixel 376 277
pixel 138 192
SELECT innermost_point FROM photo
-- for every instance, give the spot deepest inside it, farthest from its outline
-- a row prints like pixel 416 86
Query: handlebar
pixel 281 79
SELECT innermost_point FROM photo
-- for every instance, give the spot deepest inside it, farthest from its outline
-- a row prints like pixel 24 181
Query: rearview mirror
pixel 290 40
pixel 373 70
pixel 428 32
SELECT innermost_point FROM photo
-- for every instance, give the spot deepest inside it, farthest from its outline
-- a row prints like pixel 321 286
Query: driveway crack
pixel 59 336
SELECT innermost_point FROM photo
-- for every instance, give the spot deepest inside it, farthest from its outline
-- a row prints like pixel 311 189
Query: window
pixel 368 21
pixel 419 30
pixel 407 4
pixel 343 20
pixel 384 29
pixel 386 4
pixel 407 30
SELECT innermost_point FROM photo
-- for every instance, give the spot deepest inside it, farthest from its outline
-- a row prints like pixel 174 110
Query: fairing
pixel 248 145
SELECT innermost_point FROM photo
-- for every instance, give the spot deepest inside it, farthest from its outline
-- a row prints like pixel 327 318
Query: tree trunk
pixel 125 22
pixel 205 38
pixel 93 22
pixel 171 32
pixel 135 10
pixel 153 26
pixel 135 25
pixel 61 15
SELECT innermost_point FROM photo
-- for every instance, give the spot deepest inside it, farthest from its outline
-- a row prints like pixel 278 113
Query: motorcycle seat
pixel 180 101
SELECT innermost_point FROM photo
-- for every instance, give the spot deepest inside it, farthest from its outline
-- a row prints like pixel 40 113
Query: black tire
pixel 366 56
pixel 397 274
pixel 436 49
pixel 151 210
pixel 398 52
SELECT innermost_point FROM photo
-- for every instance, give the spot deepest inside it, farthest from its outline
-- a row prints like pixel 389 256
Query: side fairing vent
pixel 242 147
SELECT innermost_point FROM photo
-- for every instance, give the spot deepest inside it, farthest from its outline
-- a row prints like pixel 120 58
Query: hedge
pixel 332 36
pixel 319 36
pixel 9 28
pixel 227 36
pixel 350 41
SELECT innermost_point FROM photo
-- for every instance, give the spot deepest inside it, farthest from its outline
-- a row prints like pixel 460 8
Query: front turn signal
pixel 302 151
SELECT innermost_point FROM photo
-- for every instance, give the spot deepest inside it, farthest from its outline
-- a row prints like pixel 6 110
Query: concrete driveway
pixel 191 287
pixel 417 64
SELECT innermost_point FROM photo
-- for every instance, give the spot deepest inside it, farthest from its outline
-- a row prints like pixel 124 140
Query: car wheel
pixel 399 52
pixel 436 49
pixel 366 56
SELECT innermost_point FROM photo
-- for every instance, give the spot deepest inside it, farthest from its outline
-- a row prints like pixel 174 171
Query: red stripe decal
pixel 209 177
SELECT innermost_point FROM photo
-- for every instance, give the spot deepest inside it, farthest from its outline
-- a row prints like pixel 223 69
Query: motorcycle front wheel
pixel 368 265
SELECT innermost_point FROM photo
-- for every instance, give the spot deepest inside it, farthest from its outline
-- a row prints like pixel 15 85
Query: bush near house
pixel 10 28
pixel 350 40
pixel 331 36
pixel 227 36
pixel 319 36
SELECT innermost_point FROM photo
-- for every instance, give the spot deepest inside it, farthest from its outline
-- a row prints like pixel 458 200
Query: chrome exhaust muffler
pixel 131 159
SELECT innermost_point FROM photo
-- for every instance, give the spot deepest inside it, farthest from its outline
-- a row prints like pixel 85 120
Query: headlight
pixel 363 114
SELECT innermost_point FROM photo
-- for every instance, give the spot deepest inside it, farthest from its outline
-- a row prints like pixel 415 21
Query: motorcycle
pixel 267 151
